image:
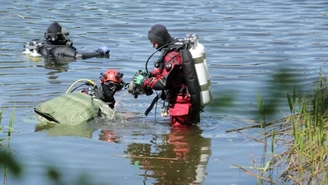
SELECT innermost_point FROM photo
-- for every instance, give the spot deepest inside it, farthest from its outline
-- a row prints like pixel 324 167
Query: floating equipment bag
pixel 73 108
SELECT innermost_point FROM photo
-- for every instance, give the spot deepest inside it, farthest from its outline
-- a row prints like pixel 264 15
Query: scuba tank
pixel 198 53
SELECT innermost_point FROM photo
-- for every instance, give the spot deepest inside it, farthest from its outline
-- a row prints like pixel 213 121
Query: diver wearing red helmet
pixel 110 82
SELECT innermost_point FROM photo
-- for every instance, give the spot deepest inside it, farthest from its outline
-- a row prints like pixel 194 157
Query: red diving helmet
pixel 111 75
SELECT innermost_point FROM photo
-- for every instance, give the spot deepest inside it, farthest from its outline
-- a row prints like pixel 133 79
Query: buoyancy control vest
pixel 73 109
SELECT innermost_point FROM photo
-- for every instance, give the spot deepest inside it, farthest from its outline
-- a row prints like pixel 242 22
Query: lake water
pixel 246 41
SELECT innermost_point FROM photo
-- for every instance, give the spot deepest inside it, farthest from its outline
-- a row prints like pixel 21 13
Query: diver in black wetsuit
pixel 58 45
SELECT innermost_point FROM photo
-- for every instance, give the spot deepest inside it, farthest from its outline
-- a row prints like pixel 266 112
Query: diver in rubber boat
pixel 57 44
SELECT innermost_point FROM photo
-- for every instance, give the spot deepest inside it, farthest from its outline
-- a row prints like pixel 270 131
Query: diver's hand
pixel 103 50
pixel 148 91
pixel 135 89
pixel 139 79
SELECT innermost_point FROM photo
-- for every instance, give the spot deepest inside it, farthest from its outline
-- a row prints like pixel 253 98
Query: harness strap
pixel 153 103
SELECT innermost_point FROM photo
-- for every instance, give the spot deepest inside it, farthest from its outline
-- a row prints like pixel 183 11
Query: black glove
pixel 134 89
pixel 148 91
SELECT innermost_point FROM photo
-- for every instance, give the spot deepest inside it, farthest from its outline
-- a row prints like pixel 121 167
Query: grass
pixel 6 158
pixel 303 135
pixel 307 127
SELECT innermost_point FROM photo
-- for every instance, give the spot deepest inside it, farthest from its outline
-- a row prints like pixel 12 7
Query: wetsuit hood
pixel 57 35
pixel 159 34
pixel 53 31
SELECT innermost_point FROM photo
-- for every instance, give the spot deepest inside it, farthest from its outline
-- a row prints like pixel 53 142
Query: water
pixel 247 41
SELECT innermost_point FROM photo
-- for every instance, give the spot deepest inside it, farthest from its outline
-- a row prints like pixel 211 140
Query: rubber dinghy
pixel 73 109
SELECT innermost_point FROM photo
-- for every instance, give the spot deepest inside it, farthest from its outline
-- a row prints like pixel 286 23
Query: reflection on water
pixel 110 129
pixel 82 130
pixel 179 157
pixel 109 136
pixel 60 64
pixel 54 129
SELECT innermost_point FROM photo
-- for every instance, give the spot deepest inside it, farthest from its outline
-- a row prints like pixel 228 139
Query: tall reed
pixel 307 152
pixel 12 166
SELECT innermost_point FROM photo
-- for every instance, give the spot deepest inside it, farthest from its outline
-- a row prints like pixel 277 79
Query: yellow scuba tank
pixel 198 53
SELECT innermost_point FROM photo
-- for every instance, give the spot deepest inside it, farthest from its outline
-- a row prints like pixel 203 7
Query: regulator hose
pixel 86 82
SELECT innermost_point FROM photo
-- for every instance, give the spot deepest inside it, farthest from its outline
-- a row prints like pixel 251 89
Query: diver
pixel 58 45
pixel 171 76
pixel 110 82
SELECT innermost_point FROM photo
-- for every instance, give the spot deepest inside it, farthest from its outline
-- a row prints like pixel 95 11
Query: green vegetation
pixel 306 155
pixel 303 135
pixel 6 158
